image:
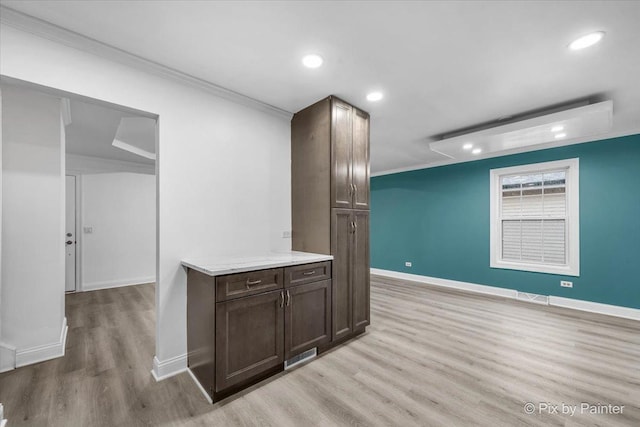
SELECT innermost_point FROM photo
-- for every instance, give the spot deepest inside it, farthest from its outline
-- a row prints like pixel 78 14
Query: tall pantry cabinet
pixel 330 203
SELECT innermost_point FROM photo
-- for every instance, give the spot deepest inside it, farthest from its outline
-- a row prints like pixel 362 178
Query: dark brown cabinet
pixel 349 156
pixel 242 327
pixel 249 337
pixel 330 203
pixel 350 247
pixel 307 317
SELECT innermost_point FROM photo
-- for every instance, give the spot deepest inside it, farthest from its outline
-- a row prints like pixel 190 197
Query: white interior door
pixel 70 234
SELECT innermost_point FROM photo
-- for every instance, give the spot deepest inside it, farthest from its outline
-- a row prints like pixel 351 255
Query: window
pixel 535 219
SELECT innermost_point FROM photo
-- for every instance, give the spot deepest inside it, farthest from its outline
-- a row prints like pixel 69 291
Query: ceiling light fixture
pixel 476 151
pixel 312 61
pixel 467 146
pixel 374 96
pixel 586 41
pixel 557 128
pixel 524 135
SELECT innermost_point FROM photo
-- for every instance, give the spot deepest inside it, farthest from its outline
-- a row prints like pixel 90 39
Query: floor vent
pixel 538 299
pixel 302 357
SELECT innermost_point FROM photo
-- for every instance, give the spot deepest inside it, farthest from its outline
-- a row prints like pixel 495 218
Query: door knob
pixel 69 242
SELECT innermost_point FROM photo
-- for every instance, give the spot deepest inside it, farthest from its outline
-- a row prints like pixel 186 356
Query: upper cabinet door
pixel 360 162
pixel 341 154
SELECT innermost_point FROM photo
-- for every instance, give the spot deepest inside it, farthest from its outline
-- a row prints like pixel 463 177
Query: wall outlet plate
pixel 566 284
pixel 407 264
pixel 286 234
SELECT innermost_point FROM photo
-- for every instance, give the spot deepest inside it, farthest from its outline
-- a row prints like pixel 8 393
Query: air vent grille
pixel 535 298
pixel 300 358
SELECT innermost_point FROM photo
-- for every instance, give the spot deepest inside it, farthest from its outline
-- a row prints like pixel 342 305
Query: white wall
pixel 120 208
pixel 32 221
pixel 224 168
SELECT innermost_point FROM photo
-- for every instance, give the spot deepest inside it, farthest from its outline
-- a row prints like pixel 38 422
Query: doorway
pixel 48 171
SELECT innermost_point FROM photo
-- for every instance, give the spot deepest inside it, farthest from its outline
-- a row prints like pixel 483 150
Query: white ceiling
pixel 92 130
pixel 442 66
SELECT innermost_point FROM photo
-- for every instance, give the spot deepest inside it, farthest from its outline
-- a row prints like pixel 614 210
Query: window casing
pixel 535 217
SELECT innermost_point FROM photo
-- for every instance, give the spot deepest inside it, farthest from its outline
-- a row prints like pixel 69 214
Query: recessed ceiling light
pixel 586 41
pixel 557 128
pixel 476 151
pixel 312 61
pixel 467 146
pixel 560 135
pixel 374 96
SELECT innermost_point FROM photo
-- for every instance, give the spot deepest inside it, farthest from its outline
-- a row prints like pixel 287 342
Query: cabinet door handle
pixel 288 298
pixel 252 283
pixel 355 189
pixel 281 299
pixel 355 226
pixel 309 273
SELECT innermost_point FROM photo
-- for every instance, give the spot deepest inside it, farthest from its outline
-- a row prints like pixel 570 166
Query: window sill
pixel 537 268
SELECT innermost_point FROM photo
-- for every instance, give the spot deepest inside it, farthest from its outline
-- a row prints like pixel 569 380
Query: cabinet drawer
pixel 307 273
pixel 244 284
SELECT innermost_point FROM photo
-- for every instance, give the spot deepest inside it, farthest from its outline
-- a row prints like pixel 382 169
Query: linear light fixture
pixel 587 120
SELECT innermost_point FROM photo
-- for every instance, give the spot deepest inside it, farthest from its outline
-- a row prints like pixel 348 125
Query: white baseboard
pixel 168 368
pixel 596 307
pixel 471 287
pixel 574 304
pixel 204 392
pixel 7 358
pixel 29 356
pixel 116 283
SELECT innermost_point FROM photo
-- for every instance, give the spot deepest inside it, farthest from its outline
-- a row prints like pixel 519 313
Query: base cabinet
pixel 246 336
pixel 249 338
pixel 307 317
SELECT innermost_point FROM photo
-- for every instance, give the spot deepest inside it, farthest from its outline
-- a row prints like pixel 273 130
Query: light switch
pixel 88 230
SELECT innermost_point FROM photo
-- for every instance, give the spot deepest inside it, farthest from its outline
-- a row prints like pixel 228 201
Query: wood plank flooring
pixel 431 357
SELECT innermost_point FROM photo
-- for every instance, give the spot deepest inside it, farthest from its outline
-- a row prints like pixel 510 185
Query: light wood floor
pixel 430 357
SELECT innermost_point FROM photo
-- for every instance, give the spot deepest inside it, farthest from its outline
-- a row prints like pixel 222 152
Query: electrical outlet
pixel 286 234
pixel 88 230
pixel 407 264
pixel 566 284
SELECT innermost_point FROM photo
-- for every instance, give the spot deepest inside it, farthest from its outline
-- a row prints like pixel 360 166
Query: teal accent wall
pixel 438 218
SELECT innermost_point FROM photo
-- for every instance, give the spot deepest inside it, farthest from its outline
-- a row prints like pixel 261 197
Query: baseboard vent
pixel 301 358
pixel 535 298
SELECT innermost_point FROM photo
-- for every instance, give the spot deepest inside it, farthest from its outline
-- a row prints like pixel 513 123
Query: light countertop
pixel 217 266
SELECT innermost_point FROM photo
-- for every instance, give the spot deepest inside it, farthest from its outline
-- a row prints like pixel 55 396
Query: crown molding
pixel 55 33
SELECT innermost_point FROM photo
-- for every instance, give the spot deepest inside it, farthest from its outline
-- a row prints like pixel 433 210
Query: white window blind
pixel 533 217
